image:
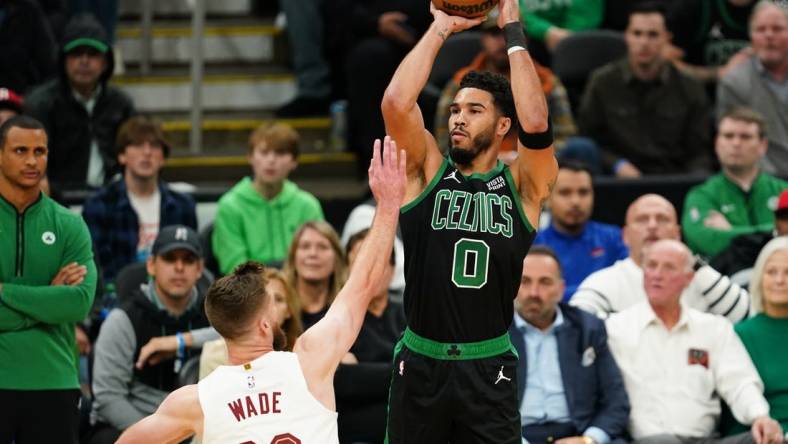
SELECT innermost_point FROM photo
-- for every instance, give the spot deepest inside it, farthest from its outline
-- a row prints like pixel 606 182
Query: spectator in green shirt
pixel 741 198
pixel 764 334
pixel 547 22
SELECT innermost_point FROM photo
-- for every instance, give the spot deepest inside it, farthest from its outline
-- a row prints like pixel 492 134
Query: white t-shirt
pixel 264 401
pixel 148 209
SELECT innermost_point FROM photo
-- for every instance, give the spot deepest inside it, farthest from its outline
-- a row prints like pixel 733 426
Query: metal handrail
pixel 197 68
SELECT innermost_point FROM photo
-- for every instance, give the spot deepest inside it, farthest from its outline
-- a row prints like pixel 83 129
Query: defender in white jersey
pixel 270 397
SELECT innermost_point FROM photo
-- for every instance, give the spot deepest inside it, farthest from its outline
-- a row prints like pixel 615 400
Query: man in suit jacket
pixel 576 394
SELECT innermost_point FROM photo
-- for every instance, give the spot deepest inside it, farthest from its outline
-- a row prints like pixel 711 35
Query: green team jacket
pixel 37 348
pixel 747 212
pixel 248 227
pixel 575 15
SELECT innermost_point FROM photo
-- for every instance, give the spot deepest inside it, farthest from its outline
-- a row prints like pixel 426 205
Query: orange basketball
pixel 465 8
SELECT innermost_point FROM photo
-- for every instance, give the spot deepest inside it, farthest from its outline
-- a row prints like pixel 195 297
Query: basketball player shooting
pixel 271 397
pixel 467 227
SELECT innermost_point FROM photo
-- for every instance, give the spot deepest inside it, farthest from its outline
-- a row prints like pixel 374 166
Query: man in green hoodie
pixel 257 218
pixel 47 282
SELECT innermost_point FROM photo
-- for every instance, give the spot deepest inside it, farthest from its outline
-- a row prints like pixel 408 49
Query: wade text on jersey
pixel 261 404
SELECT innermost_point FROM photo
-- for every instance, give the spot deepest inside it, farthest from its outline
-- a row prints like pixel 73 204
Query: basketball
pixel 465 8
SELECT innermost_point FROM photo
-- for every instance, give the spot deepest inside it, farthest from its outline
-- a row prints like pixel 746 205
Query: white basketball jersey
pixel 264 402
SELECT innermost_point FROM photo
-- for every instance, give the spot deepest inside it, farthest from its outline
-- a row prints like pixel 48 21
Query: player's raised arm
pixel 322 346
pixel 178 417
pixel 535 167
pixel 401 114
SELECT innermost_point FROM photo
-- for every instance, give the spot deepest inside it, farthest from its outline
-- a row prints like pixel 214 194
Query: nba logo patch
pixel 597 252
pixel 250 382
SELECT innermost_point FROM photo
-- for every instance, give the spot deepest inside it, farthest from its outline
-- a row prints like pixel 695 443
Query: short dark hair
pixel 647 7
pixel 576 166
pixel 544 250
pixel 498 86
pixel 360 236
pixel 19 121
pixel 235 300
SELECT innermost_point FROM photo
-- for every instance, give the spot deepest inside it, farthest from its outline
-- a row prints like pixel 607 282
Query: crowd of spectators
pixel 646 332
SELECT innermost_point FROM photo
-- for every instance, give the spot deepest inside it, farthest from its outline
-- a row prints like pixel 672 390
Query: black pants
pixel 39 416
pixel 460 402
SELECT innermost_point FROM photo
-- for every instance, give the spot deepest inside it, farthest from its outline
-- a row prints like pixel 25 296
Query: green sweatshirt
pixel 746 212
pixel 37 348
pixel 765 338
pixel 249 227
pixel 575 15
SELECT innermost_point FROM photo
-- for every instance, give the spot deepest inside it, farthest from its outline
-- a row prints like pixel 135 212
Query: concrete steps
pixel 245 79
pixel 168 91
pixel 183 8
pixel 229 134
pixel 229 40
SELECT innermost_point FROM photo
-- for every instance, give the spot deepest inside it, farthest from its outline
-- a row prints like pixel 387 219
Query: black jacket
pixel 69 126
pixel 150 322
pixel 27 48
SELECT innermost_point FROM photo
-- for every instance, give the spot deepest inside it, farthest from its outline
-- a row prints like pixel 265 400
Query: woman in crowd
pixel 316 268
pixel 766 334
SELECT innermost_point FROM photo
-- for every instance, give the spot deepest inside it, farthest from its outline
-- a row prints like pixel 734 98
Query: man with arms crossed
pixel 47 283
pixel 467 226
pixel 279 397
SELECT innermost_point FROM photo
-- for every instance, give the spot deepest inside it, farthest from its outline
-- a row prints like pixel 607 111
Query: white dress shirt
pixel 670 389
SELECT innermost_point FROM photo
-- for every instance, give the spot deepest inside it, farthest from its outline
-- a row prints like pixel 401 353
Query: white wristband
pixel 514 49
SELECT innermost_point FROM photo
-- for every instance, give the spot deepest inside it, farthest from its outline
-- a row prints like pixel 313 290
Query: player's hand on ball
pixel 451 24
pixel 387 178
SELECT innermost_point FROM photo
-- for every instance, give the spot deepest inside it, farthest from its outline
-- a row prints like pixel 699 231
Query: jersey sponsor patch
pixel 496 183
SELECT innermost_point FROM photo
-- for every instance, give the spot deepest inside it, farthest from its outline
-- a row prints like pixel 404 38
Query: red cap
pixel 10 100
pixel 782 202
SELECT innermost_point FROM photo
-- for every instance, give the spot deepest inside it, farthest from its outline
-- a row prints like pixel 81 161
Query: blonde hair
pixel 291 326
pixel 756 289
pixel 338 276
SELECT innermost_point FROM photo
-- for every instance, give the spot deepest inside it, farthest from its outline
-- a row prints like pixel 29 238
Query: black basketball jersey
pixel 465 239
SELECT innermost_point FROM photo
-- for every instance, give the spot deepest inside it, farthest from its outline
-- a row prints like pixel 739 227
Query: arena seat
pixel 581 53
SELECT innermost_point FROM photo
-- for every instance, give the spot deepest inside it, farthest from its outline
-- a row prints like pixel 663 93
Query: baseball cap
pixel 10 100
pixel 176 237
pixel 782 204
pixel 98 45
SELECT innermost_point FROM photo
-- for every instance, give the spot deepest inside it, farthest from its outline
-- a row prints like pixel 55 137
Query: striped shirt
pixel 620 286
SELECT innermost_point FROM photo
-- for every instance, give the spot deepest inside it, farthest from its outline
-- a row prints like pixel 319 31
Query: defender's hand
pixel 387 178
